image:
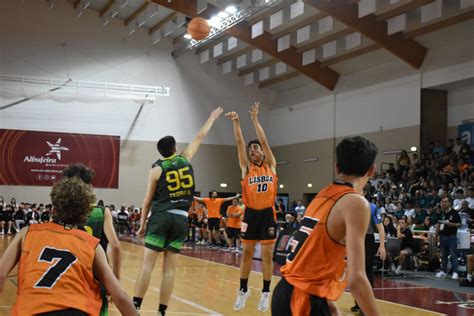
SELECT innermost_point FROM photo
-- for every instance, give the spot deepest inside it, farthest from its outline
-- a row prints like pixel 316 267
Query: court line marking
pixel 167 312
pixel 183 300
pixel 401 288
pixel 226 265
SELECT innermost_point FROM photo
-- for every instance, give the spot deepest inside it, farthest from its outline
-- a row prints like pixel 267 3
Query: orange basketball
pixel 198 28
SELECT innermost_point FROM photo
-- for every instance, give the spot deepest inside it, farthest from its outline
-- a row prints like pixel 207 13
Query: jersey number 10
pixel 262 187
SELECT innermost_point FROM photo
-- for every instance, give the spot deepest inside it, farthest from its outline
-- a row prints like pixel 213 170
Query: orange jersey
pixel 213 207
pixel 259 187
pixel 234 222
pixel 56 271
pixel 316 264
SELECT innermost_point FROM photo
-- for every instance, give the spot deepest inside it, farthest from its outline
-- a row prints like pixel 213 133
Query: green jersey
pixel 175 187
pixel 95 225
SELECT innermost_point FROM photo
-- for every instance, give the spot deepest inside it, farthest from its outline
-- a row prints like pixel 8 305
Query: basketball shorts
pixel 65 312
pixel 288 300
pixel 166 231
pixel 233 232
pixel 213 224
pixel 201 224
pixel 258 225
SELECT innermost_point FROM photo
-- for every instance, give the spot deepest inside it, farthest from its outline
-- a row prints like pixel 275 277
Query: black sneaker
pixel 466 282
pixel 355 309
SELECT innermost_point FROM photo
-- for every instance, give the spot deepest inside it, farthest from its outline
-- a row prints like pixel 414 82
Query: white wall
pixel 460 105
pixel 389 105
pixel 30 46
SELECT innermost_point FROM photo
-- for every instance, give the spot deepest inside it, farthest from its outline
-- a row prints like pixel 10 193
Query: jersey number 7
pixel 66 259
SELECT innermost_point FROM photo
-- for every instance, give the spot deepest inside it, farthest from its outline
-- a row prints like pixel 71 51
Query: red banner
pixel 38 158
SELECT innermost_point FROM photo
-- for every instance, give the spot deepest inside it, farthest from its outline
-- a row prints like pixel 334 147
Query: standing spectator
pixel 403 162
pixel 281 206
pixel 300 209
pixel 122 219
pixel 447 229
pixel 234 212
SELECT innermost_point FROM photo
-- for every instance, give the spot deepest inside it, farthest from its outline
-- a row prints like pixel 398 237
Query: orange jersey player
pixel 327 251
pixel 58 263
pixel 259 187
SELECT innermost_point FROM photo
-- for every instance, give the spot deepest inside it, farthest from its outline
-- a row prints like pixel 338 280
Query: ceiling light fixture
pixel 231 9
pixel 413 148
pixel 223 185
pixel 223 14
pixel 310 185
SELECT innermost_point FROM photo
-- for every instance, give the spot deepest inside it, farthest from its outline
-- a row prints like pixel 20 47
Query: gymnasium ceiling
pixel 301 41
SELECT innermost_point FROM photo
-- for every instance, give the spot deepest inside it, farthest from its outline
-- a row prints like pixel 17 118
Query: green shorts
pixel 166 231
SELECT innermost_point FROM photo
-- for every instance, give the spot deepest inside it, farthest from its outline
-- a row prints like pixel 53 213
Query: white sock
pixel 399 267
pixel 469 277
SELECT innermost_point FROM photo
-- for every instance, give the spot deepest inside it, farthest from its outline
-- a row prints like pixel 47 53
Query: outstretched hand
pixel 254 110
pixel 216 113
pixel 233 116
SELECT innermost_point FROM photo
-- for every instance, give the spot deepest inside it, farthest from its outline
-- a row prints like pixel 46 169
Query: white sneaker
pixel 441 274
pixel 241 299
pixel 455 276
pixel 398 270
pixel 264 302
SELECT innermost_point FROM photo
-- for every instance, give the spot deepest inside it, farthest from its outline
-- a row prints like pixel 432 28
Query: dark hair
pixel 166 146
pixel 73 199
pixel 254 141
pixel 355 155
pixel 100 203
pixel 79 170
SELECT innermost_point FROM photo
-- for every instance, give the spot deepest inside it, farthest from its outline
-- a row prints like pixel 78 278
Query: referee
pixel 370 247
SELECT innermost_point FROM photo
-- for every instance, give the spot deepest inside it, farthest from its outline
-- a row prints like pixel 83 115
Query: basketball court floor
pixel 206 283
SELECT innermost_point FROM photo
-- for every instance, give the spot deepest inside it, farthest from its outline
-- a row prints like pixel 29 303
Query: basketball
pixel 198 28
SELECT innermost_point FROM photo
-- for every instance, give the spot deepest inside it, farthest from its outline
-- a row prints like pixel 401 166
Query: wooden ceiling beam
pixel 270 11
pixel 325 76
pixel 251 69
pixel 349 54
pixel 326 39
pixel 137 12
pixel 161 23
pixel 298 25
pixel 234 55
pixel 278 79
pixel 443 22
pixel 400 8
pixel 106 8
pixel 407 50
pixel 221 38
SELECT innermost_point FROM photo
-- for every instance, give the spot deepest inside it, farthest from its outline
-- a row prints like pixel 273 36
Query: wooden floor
pixel 202 287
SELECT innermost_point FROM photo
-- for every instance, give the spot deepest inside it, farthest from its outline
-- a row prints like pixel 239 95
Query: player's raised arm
pixel 239 140
pixel 269 157
pixel 192 148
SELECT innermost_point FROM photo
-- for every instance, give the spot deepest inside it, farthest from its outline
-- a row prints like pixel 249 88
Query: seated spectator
pixel 438 149
pixel 470 198
pixel 406 246
pixel 380 209
pixel 457 146
pixel 410 210
pixel 459 198
pixel 390 230
pixel 410 223
pixel 399 212
pixel 420 214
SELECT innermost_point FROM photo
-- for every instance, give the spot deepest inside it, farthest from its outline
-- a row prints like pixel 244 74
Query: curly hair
pixel 79 170
pixel 72 199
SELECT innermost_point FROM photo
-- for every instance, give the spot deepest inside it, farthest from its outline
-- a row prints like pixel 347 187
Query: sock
pixel 243 284
pixel 137 301
pixel 162 309
pixel 469 277
pixel 266 286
